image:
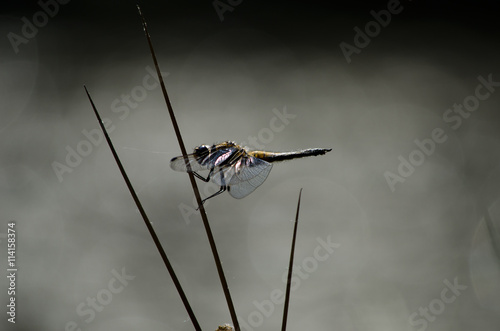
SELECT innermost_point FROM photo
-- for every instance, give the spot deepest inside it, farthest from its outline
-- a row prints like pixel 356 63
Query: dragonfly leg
pixel 206 180
pixel 221 190
pixel 201 177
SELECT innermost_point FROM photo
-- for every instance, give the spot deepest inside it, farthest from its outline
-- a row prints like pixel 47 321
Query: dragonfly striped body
pixel 284 156
pixel 234 168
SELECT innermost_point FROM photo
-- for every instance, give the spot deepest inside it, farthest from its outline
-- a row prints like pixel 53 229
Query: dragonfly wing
pixel 222 175
pixel 179 163
pixel 248 176
pixel 218 159
pixel 202 160
pixel 226 164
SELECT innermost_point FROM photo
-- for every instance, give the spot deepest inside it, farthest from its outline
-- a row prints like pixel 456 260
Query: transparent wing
pixel 218 158
pixel 222 175
pixel 249 174
pixel 179 164
pixel 207 160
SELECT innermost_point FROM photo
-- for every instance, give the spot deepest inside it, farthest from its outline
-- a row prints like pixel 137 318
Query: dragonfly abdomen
pixel 283 156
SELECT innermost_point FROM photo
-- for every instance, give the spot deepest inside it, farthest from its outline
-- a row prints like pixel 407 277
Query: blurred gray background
pixel 417 252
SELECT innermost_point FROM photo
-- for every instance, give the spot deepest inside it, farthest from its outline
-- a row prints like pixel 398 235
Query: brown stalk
pixel 290 268
pixel 204 217
pixel 146 219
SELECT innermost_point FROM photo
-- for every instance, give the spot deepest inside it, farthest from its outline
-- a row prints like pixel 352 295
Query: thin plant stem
pixel 290 267
pixel 204 217
pixel 146 219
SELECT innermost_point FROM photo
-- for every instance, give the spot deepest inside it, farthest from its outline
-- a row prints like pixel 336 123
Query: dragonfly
pixel 235 168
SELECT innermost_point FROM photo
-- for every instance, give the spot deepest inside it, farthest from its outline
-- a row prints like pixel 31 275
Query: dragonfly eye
pixel 201 150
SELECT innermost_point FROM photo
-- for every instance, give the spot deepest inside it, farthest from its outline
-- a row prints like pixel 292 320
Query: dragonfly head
pixel 201 151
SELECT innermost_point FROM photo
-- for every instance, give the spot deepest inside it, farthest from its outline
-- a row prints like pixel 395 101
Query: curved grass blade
pixel 204 217
pixel 290 267
pixel 146 219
